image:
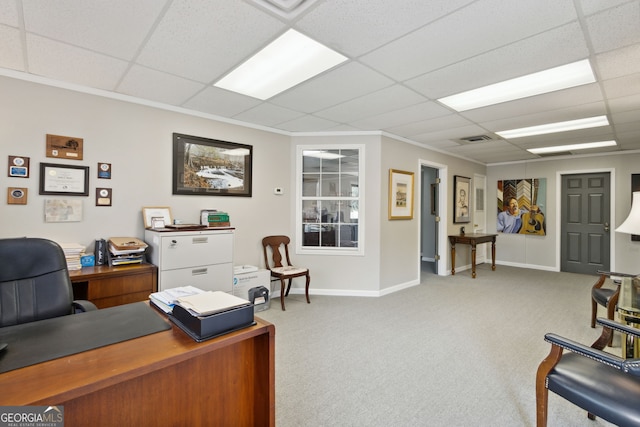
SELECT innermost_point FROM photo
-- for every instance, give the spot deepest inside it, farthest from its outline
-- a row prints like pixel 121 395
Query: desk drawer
pixel 218 277
pixel 196 250
pixel 108 287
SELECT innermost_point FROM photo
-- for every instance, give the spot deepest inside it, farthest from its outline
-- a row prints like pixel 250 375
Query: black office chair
pixel 601 383
pixel 34 282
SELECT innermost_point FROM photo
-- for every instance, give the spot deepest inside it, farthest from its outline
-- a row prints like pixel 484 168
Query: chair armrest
pixel 80 306
pixel 584 350
pixel 618 327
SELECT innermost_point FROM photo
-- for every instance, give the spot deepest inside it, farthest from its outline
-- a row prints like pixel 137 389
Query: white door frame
pixel 443 190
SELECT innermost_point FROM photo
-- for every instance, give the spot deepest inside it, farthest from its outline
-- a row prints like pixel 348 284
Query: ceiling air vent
pixel 476 138
pixel 288 9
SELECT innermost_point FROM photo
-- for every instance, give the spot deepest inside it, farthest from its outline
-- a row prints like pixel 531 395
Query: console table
pixel 161 379
pixel 472 239
pixel 107 286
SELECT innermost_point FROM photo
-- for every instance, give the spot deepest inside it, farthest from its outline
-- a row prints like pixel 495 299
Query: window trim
pixel 331 250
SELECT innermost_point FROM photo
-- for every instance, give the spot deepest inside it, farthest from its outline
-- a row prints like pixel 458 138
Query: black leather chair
pixel 601 383
pixel 34 282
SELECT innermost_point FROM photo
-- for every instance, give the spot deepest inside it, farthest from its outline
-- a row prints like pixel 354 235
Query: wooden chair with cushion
pixel 604 385
pixel 286 271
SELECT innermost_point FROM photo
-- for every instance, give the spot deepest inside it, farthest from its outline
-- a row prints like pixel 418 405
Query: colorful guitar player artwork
pixel 521 204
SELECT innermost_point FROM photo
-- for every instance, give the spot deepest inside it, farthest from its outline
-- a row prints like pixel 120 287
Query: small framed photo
pixel 104 170
pixel 461 188
pixel 103 196
pixel 400 194
pixel 18 167
pixel 64 147
pixel 68 180
pixel 153 214
pixel 17 196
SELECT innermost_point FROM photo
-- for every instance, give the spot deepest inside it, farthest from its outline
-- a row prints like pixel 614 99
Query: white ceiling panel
pixel 336 86
pixel 453 39
pixel 156 86
pixel 375 103
pixel 115 27
pixel 615 28
pixel 415 113
pixel 9 13
pixel 268 115
pixel 82 67
pixel 213 100
pixel 204 39
pixel 402 55
pixel 537 53
pixel 11 53
pixel 355 27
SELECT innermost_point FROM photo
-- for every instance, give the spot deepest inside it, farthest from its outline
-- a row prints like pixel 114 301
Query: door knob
pixel 606 226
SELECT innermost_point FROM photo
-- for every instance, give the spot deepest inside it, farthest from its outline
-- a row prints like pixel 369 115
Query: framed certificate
pixel 65 180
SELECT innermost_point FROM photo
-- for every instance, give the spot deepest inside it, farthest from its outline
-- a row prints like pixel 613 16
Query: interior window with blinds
pixel 330 198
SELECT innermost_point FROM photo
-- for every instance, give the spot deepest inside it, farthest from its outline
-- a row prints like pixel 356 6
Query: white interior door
pixel 479 213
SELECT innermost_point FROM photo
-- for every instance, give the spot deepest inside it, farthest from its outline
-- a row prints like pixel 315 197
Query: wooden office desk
pixel 107 286
pixel 473 240
pixel 163 379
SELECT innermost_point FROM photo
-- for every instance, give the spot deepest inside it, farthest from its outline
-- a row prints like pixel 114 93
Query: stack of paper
pixel 126 254
pixel 210 302
pixel 165 300
pixel 72 253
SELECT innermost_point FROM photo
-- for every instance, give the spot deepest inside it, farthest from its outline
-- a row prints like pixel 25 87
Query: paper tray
pixel 207 327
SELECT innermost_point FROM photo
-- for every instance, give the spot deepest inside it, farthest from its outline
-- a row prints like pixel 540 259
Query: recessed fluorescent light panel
pixel 290 59
pixel 589 122
pixel 572 147
pixel 563 77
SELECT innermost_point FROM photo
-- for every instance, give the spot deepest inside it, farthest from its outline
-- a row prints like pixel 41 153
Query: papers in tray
pixel 211 302
pixel 165 300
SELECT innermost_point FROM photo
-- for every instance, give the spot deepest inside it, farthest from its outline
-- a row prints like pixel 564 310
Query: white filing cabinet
pixel 200 258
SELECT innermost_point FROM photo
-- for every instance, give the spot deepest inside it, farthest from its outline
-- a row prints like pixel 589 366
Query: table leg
pixel 493 255
pixel 473 260
pixel 453 259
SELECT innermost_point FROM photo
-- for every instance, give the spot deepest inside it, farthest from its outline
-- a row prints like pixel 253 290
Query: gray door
pixel 585 223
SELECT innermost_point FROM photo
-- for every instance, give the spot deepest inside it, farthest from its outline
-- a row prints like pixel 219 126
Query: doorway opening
pixel 433 214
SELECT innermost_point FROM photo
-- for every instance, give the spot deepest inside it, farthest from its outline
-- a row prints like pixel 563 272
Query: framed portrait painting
pixel 461 208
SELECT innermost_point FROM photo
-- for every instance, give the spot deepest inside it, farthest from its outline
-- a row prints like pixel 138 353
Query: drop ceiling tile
pixel 590 7
pixel 307 123
pixel 453 134
pixel 9 14
pixel 451 39
pixel 448 122
pixel 619 62
pixel 220 102
pixel 623 86
pixel 403 116
pixel 624 104
pixel 156 86
pixel 11 49
pixel 80 66
pixel 115 27
pixel 344 83
pixel 205 39
pixel 550 49
pixel 543 104
pixel 354 27
pixel 615 28
pixel 373 104
pixel 268 115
